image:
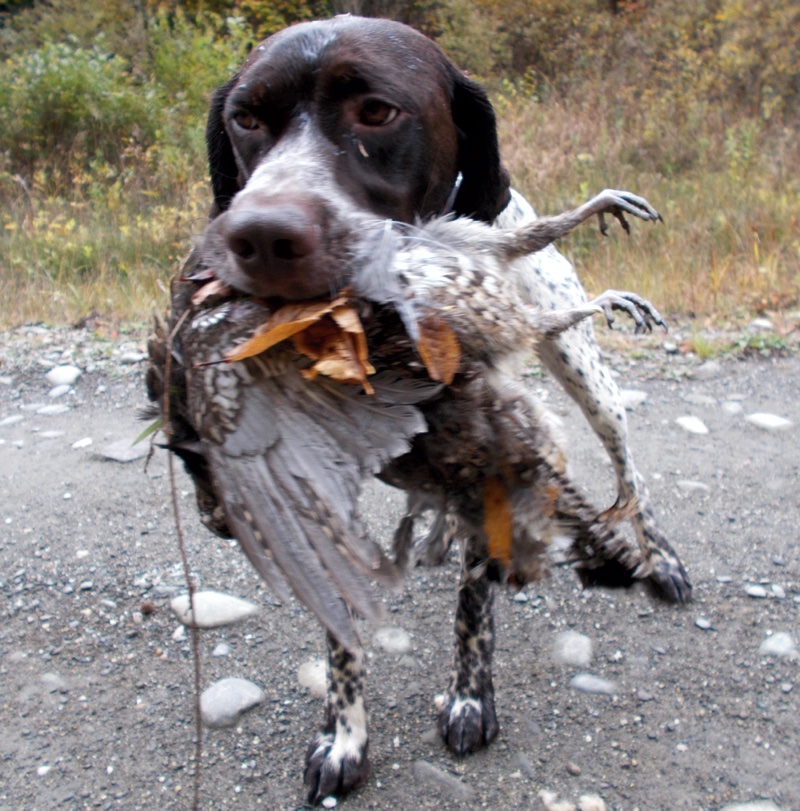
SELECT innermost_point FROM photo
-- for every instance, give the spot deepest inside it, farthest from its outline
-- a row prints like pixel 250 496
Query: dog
pixel 330 120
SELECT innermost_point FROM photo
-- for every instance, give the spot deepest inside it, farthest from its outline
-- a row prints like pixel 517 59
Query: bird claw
pixel 639 309
pixel 617 203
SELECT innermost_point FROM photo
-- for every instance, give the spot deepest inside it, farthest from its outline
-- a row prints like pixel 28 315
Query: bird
pixel 281 410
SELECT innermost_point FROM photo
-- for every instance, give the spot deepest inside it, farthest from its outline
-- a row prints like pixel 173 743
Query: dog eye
pixel 247 121
pixel 376 113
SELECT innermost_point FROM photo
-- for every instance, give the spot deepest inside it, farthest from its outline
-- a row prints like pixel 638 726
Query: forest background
pixel 693 103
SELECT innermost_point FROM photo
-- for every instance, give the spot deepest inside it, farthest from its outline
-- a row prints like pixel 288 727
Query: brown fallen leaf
pixel 216 288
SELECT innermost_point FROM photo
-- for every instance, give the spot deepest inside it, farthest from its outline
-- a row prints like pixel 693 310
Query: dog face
pixel 330 119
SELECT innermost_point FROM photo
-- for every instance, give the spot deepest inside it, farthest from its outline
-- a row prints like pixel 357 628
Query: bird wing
pixel 287 458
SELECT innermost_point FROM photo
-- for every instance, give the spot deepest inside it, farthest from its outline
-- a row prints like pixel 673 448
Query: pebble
pixel 53 683
pixel 732 408
pixel 221 649
pixel 752 590
pixel 757 805
pixel 704 625
pixel 12 420
pixel 212 609
pixel 779 644
pixel 587 683
pixel 694 425
pixel 591 802
pixel 329 802
pixel 52 410
pixel 313 675
pixel 82 443
pixel 768 422
pixel 700 399
pixel 689 486
pixel 708 370
pixel 393 640
pixel 426 772
pixel 43 770
pixel 225 701
pixel 129 358
pixel 124 450
pixel 58 391
pixel 631 398
pixel 778 591
pixel 760 325
pixel 573 649
pixel 63 375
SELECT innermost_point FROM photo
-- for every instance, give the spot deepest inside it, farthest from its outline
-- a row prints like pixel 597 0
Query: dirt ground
pixel 96 693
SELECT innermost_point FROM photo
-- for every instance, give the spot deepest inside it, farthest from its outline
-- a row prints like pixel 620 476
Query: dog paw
pixel 335 764
pixel 467 723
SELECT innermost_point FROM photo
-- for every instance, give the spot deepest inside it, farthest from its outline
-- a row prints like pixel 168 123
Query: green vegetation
pixel 692 104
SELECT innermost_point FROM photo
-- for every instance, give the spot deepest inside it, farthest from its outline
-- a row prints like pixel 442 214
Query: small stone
pixel 129 358
pixel 51 434
pixel 787 687
pixel 587 683
pixel 393 640
pixel 732 408
pixel 426 772
pixel 573 769
pixel 573 649
pixel 591 802
pixel 329 802
pixel 708 370
pixel 670 347
pixel 82 443
pixel 760 325
pixel 704 625
pixel 12 420
pixel 689 486
pixel 221 649
pixel 313 675
pixel 694 425
pixel 58 391
pixel 643 695
pixel 520 597
pixel 52 410
pixel 752 590
pixel 43 770
pixel 724 578
pixel 757 805
pixel 63 375
pixel 779 644
pixel 768 422
pixel 700 399
pixel 778 591
pixel 179 634
pixel 86 585
pixel 124 450
pixel 212 609
pixel 631 398
pixel 222 704
pixel 53 683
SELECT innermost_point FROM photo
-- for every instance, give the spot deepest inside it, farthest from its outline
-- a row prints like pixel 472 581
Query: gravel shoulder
pixel 96 677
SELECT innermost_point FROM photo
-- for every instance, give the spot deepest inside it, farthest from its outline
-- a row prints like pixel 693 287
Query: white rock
pixel 43 770
pixel 52 410
pixel 221 649
pixel 632 398
pixel 591 802
pixel 132 357
pixel 753 590
pixel 769 422
pixel 700 399
pixel 587 683
pixel 222 704
pixel 779 644
pixel 732 408
pixel 393 640
pixel 313 675
pixel 573 649
pixel 689 486
pixel 330 802
pixel 58 391
pixel 82 443
pixel 124 450
pixel 757 805
pixel 778 591
pixel 760 325
pixel 212 609
pixel 63 375
pixel 12 420
pixel 428 773
pixel 694 425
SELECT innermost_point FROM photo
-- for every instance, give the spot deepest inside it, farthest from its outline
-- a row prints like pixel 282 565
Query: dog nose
pixel 272 240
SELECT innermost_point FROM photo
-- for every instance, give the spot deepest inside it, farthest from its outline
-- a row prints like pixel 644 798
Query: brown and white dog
pixel 327 121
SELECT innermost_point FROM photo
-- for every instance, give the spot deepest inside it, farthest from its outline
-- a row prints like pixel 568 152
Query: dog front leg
pixel 337 758
pixel 467 720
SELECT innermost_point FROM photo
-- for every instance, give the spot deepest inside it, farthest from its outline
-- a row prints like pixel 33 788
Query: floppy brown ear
pixel 485 187
pixel 221 161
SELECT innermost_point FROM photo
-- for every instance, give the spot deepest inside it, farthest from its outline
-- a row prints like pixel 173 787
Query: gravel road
pixel 96 674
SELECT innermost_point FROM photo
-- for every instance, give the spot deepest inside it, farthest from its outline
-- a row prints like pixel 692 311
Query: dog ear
pixel 221 161
pixel 485 185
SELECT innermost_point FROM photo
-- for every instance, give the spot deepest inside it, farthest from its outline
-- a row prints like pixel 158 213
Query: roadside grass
pixel 105 241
